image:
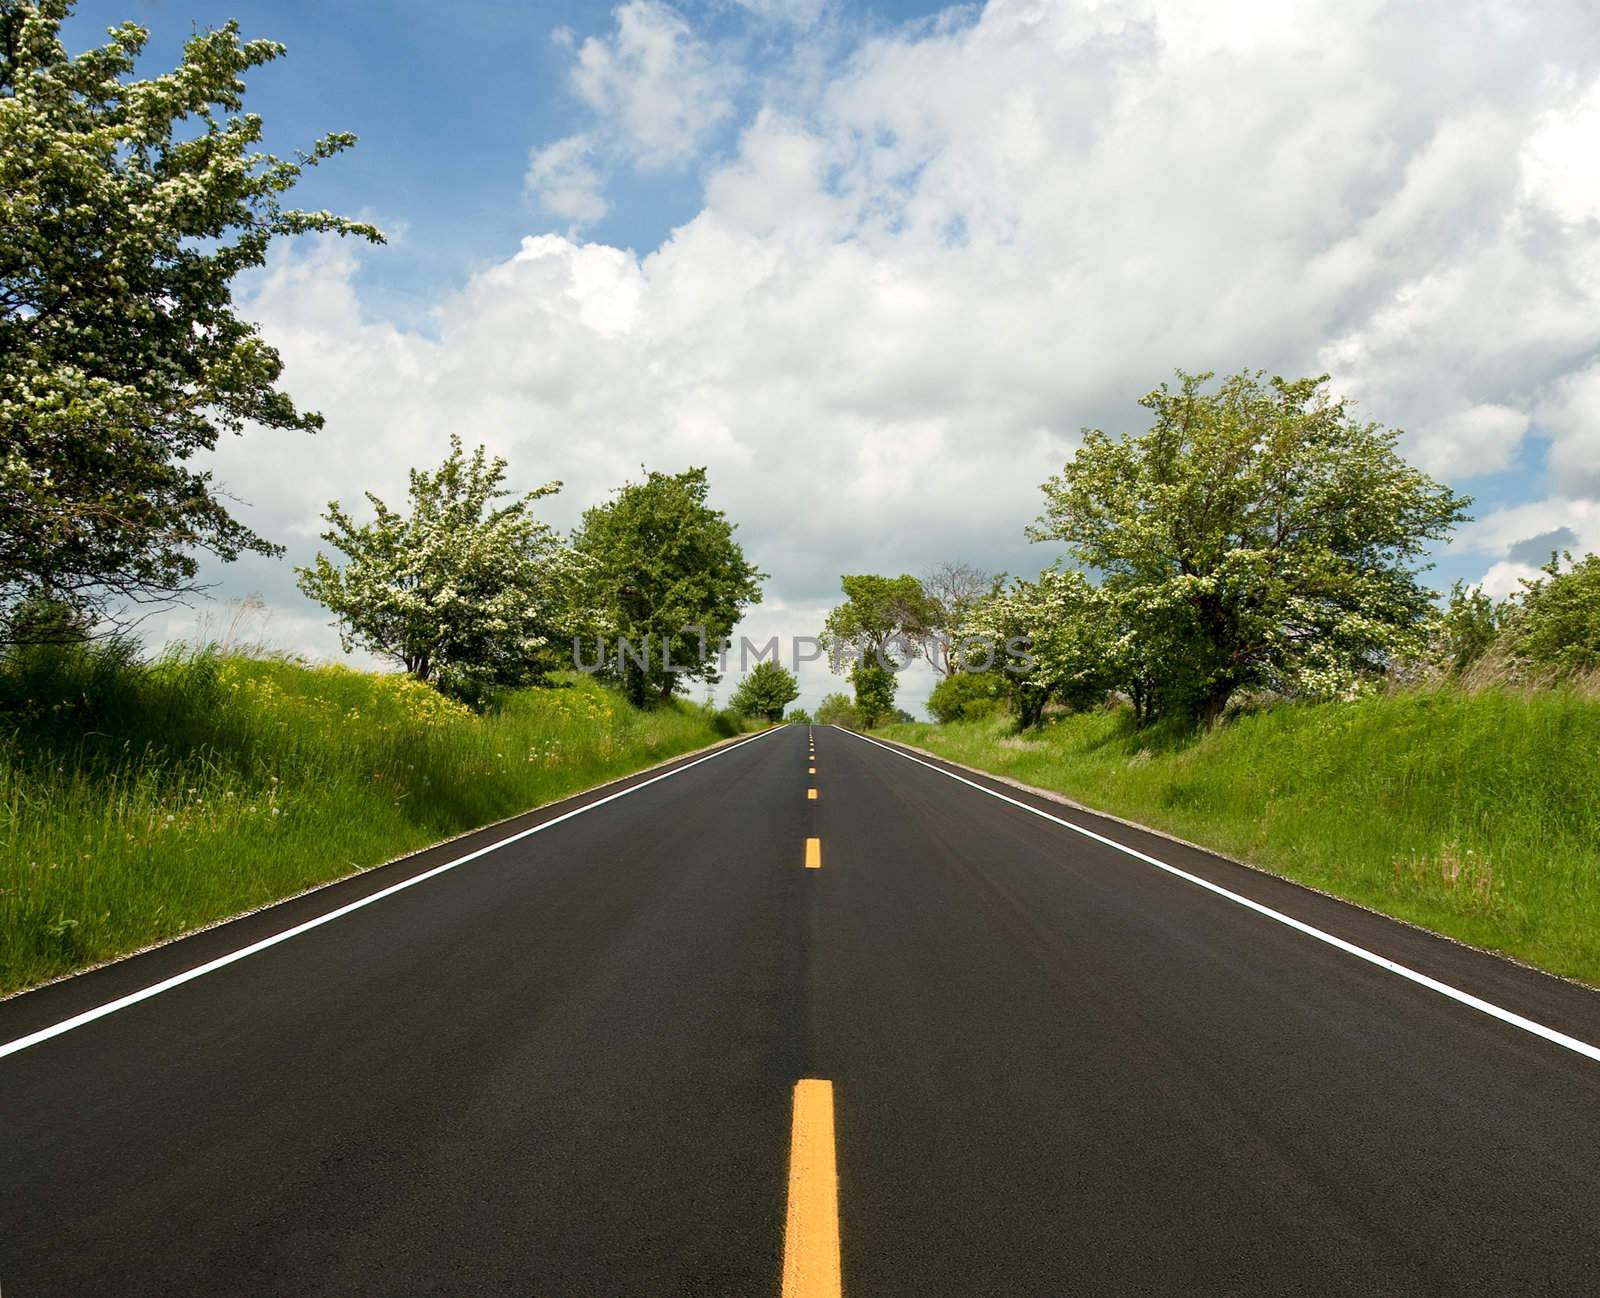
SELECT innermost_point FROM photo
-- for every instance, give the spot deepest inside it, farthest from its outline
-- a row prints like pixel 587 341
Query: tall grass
pixel 141 800
pixel 1475 813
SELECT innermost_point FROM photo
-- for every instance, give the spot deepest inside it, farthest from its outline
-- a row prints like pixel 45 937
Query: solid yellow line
pixel 811 1235
pixel 813 854
pixel 811 795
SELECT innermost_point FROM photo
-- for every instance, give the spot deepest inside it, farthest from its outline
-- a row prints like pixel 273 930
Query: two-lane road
pixel 568 1066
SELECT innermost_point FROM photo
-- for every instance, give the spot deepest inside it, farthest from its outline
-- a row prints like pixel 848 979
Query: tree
pixel 1076 651
pixel 965 696
pixel 837 710
pixel 459 591
pixel 1554 621
pixel 1467 628
pixel 953 591
pixel 1258 536
pixel 671 579
pixel 127 208
pixel 880 625
pixel 797 717
pixel 766 690
pixel 875 689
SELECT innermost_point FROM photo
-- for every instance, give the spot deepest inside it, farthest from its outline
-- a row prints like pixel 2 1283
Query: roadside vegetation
pixel 140 800
pixel 1245 654
pixel 1469 810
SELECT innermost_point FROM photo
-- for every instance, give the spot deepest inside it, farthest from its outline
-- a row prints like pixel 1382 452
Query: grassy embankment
pixel 139 801
pixel 1475 814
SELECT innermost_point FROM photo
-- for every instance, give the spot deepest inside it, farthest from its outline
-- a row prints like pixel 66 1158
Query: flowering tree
pixel 460 591
pixel 1254 536
pixel 126 210
pixel 1074 653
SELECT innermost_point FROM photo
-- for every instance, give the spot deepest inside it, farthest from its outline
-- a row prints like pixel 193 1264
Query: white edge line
pixel 1349 948
pixel 222 961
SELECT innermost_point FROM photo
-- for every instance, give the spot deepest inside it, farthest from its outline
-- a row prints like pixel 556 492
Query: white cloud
pixel 654 84
pixel 797 13
pixel 565 182
pixel 1561 158
pixel 1572 417
pixel 1469 439
pixel 908 289
pixel 1506 578
pixel 1570 522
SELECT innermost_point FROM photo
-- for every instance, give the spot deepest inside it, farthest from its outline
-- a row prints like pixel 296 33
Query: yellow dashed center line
pixel 813 854
pixel 811 770
pixel 811 795
pixel 811 1233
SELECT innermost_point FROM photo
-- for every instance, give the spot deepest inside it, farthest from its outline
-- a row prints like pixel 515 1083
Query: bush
pixel 726 722
pixel 966 696
pixel 1554 624
pixel 798 717
pixel 838 710
pixel 1467 629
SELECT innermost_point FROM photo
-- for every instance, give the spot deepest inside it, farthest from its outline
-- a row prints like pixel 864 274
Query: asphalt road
pixel 569 1067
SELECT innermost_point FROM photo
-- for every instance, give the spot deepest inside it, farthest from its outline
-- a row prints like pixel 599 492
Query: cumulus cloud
pixel 1470 439
pixel 563 178
pixel 910 286
pixel 655 92
pixel 1572 417
pixel 654 84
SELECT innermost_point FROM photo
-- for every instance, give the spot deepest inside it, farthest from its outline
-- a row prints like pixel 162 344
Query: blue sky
pixel 877 265
pixel 447 100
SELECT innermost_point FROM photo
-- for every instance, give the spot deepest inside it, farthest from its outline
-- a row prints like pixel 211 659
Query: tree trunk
pixel 1212 705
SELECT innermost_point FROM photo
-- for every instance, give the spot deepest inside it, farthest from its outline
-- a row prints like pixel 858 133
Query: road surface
pixel 706 1034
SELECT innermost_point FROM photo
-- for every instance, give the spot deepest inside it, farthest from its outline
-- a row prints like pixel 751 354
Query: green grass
pixel 1475 814
pixel 140 801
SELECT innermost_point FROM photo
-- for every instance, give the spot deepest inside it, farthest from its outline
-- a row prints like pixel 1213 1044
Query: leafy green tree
pixel 460 591
pixel 671 579
pixel 39 619
pixel 1257 536
pixel 1554 622
pixel 766 690
pixel 127 208
pixel 1075 651
pixel 882 621
pixel 875 688
pixel 837 709
pixel 797 717
pixel 965 696
pixel 1467 628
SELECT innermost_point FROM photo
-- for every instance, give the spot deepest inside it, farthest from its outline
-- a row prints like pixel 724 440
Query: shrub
pixel 1554 623
pixel 966 695
pixel 838 710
